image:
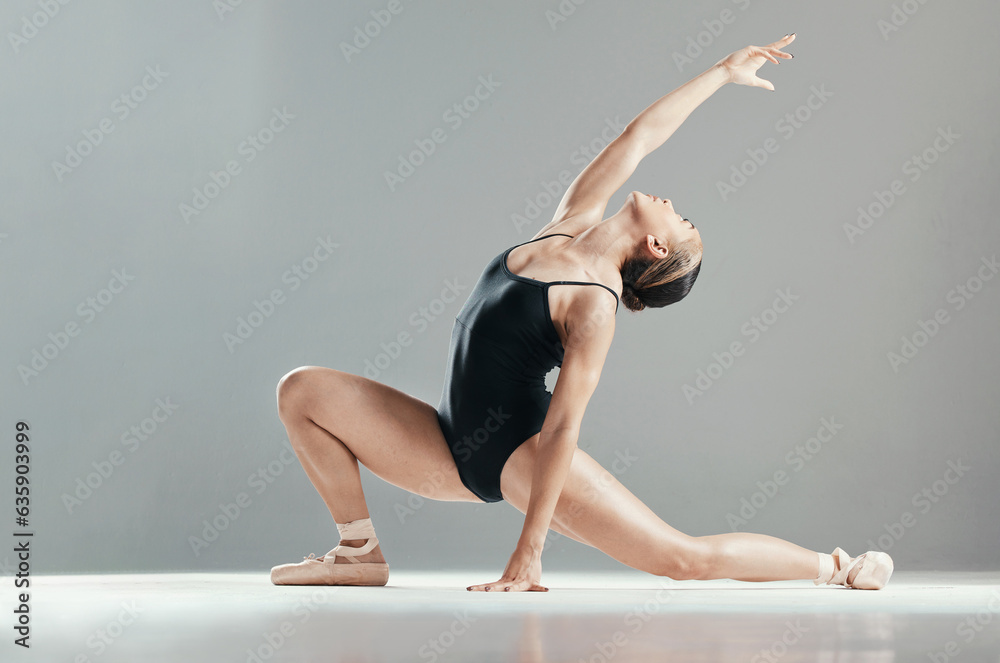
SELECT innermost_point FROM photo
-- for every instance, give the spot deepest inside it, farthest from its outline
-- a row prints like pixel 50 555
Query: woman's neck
pixel 607 244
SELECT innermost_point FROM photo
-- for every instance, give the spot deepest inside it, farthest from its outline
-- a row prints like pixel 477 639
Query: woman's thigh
pixel 393 434
pixel 596 509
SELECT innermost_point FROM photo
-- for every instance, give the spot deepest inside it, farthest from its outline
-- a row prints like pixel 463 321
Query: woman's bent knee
pixel 293 389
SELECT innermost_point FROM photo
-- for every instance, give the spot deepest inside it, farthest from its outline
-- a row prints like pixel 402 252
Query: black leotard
pixel 494 398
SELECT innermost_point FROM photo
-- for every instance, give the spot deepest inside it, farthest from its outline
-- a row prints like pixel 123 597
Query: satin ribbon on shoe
pixel 873 570
pixel 846 566
pixel 356 529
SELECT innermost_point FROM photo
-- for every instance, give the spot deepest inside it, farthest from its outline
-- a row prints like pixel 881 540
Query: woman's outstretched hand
pixel 742 65
pixel 523 573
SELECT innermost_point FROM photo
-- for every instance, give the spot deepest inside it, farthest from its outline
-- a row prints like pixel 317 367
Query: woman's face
pixel 658 217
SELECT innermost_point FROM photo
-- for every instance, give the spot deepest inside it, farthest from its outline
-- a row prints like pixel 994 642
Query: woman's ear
pixel 656 249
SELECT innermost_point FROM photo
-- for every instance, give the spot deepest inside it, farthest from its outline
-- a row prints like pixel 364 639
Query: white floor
pixel 430 617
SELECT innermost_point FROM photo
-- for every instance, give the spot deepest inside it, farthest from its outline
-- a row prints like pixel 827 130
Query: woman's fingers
pixel 767 54
pixel 508 586
pixel 485 587
pixel 771 53
pixel 743 64
pixel 784 41
pixel 490 586
pixel 781 43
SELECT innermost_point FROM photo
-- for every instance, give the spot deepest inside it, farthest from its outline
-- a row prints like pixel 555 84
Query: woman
pixel 498 434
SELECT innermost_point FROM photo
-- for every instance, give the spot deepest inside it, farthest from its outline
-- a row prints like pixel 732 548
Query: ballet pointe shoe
pixel 325 571
pixel 870 570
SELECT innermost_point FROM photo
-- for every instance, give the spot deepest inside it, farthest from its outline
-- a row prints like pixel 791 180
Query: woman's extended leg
pixel 599 510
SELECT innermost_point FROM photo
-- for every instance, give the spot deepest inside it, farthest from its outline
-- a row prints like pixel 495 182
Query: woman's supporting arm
pixel 555 452
pixel 590 325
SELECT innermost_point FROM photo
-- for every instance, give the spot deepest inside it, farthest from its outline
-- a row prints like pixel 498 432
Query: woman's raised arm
pixel 593 187
pixel 659 120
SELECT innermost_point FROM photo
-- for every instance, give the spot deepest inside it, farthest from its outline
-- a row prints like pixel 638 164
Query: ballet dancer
pixel 498 434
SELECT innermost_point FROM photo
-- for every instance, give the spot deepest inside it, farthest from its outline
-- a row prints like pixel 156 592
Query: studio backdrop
pixel 199 197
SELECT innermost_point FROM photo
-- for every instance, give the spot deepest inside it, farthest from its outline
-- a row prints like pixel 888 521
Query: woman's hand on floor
pixel 523 573
pixel 742 65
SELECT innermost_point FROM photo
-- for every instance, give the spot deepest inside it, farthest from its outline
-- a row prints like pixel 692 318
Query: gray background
pixel 323 176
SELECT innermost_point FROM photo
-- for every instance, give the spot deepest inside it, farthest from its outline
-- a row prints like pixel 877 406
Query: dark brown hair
pixel 657 283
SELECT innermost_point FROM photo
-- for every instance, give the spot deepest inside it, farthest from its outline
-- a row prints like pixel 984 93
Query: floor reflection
pixel 243 618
